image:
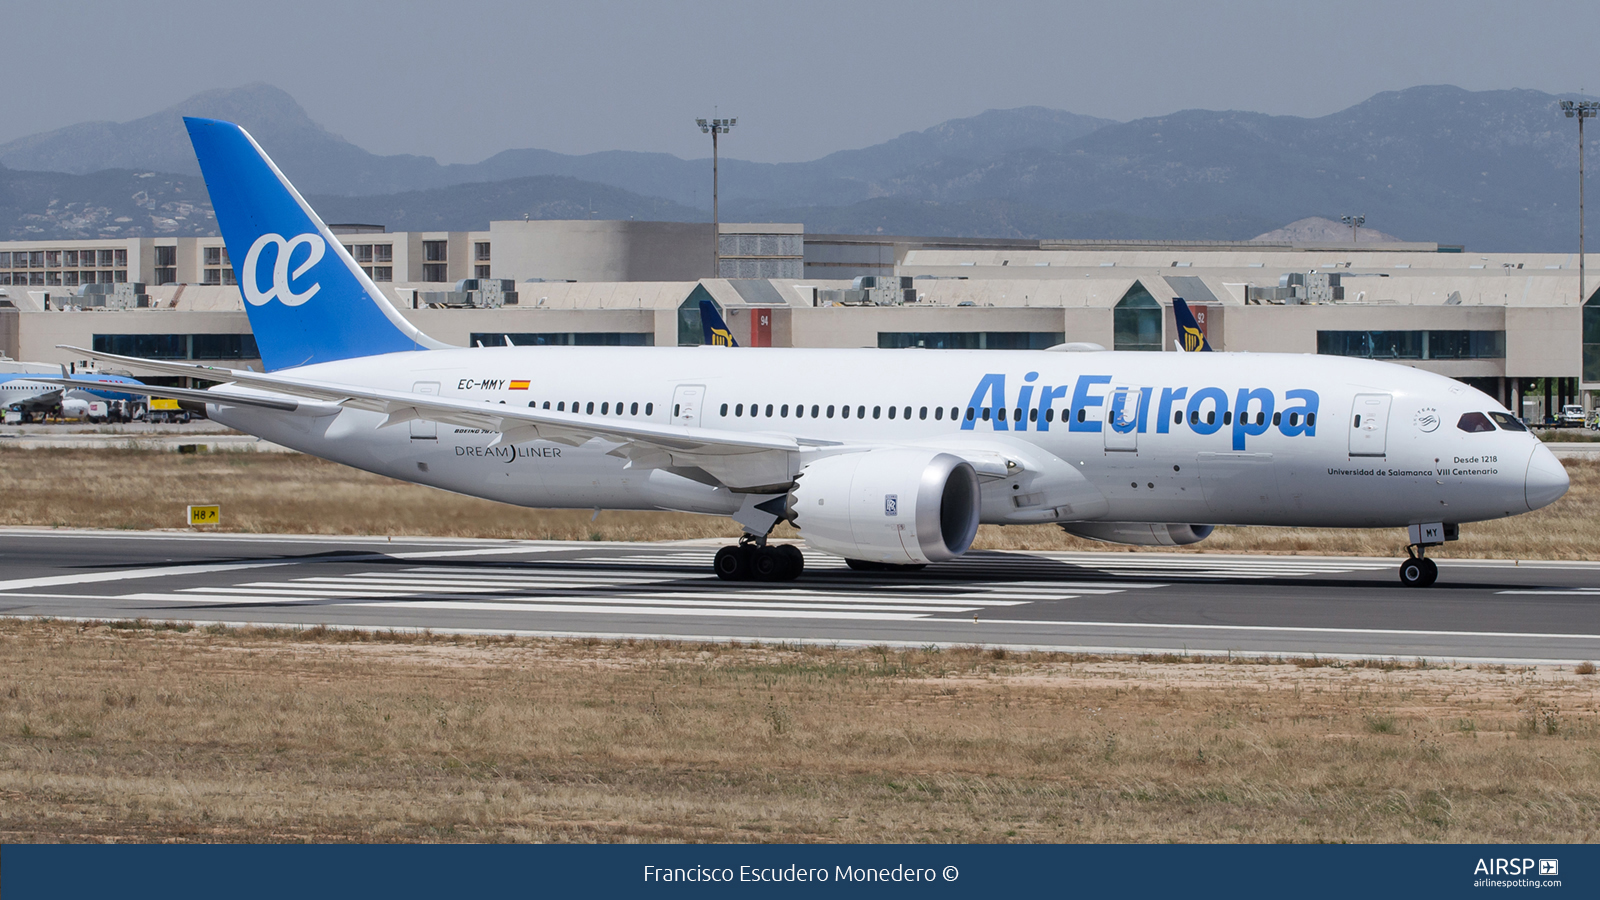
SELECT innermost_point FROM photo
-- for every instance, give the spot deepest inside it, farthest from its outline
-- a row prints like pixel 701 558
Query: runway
pixel 1481 610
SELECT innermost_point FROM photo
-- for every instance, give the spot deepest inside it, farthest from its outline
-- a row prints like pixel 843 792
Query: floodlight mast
pixel 715 127
pixel 1355 222
pixel 1580 110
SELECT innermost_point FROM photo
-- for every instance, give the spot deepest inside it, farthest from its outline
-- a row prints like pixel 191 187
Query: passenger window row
pixel 605 409
pixel 1000 414
pixel 1227 418
pixel 818 411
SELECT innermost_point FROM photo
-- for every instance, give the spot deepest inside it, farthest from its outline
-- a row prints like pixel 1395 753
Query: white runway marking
pixel 553 589
pixel 18 584
pixel 622 585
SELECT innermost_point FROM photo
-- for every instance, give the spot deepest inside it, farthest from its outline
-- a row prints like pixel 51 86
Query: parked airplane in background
pixel 25 393
pixel 717 333
pixel 1192 336
pixel 886 458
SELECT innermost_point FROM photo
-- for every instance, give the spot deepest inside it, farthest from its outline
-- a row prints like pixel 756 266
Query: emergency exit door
pixel 686 401
pixel 1123 412
pixel 1369 425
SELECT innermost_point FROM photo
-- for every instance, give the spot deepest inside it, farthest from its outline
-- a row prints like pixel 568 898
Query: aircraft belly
pixel 1151 488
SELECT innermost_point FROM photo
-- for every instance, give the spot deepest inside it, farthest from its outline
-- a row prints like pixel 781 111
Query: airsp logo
pixel 281 276
pixel 1426 420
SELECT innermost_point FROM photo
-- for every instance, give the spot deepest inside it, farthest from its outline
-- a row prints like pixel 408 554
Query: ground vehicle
pixel 1571 416
pixel 161 410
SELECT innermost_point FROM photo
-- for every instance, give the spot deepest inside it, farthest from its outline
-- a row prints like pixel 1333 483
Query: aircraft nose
pixel 1547 480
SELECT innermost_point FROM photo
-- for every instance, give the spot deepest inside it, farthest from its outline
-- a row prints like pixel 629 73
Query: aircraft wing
pixel 282 404
pixel 741 460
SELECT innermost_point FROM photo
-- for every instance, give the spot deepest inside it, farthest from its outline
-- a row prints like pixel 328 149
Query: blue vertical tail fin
pixel 716 330
pixel 307 300
pixel 1191 337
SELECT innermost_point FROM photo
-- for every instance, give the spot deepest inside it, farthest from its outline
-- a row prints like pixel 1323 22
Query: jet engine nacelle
pixel 1144 534
pixel 892 506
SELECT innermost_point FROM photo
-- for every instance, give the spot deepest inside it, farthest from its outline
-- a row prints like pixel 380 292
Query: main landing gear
pixel 1418 570
pixel 754 560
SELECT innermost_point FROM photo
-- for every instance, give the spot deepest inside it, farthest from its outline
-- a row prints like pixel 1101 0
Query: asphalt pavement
pixel 1480 610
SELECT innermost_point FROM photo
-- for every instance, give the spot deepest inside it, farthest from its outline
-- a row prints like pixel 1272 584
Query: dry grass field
pixel 290 493
pixel 131 733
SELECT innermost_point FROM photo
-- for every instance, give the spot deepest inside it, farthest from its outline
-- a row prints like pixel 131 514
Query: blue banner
pixel 174 872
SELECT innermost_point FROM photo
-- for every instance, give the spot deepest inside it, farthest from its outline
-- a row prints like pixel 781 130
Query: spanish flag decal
pixel 519 385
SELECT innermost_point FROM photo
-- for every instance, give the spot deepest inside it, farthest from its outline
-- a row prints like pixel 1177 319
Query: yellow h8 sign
pixel 205 515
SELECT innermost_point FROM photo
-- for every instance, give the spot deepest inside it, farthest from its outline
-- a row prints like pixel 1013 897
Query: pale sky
pixel 463 80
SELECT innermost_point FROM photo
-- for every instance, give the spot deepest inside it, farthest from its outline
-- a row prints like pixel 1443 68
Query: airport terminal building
pixel 1510 324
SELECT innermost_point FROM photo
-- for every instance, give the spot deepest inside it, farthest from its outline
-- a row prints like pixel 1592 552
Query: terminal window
pixel 1413 344
pixel 480 250
pixel 1591 338
pixel 563 339
pixel 435 251
pixel 166 271
pixel 1136 321
pixel 435 272
pixel 970 340
pixel 179 346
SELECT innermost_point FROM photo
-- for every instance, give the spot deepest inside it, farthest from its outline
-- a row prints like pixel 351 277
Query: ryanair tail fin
pixel 1191 339
pixel 307 300
pixel 716 330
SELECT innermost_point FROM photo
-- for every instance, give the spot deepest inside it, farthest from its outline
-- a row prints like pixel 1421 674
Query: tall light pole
pixel 715 127
pixel 1580 110
pixel 1354 222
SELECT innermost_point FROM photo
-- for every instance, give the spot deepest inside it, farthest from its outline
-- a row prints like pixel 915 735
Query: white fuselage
pixel 1144 437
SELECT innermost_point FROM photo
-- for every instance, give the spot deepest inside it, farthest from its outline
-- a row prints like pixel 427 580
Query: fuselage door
pixel 686 402
pixel 1122 418
pixel 1369 425
pixel 425 429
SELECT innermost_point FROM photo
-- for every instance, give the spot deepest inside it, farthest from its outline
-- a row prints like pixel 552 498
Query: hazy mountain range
pixel 1495 170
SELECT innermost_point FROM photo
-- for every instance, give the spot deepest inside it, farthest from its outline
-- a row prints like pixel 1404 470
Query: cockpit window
pixel 1473 423
pixel 1507 421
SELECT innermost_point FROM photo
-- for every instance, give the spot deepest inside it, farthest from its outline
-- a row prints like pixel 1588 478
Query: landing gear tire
pixel 1418 572
pixel 867 565
pixel 748 562
pixel 797 560
pixel 732 564
pixel 768 564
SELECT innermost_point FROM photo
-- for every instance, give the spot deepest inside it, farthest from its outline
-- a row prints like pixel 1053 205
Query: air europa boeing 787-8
pixel 888 458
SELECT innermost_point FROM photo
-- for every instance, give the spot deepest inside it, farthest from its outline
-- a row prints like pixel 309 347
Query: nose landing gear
pixel 1418 571
pixel 754 560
